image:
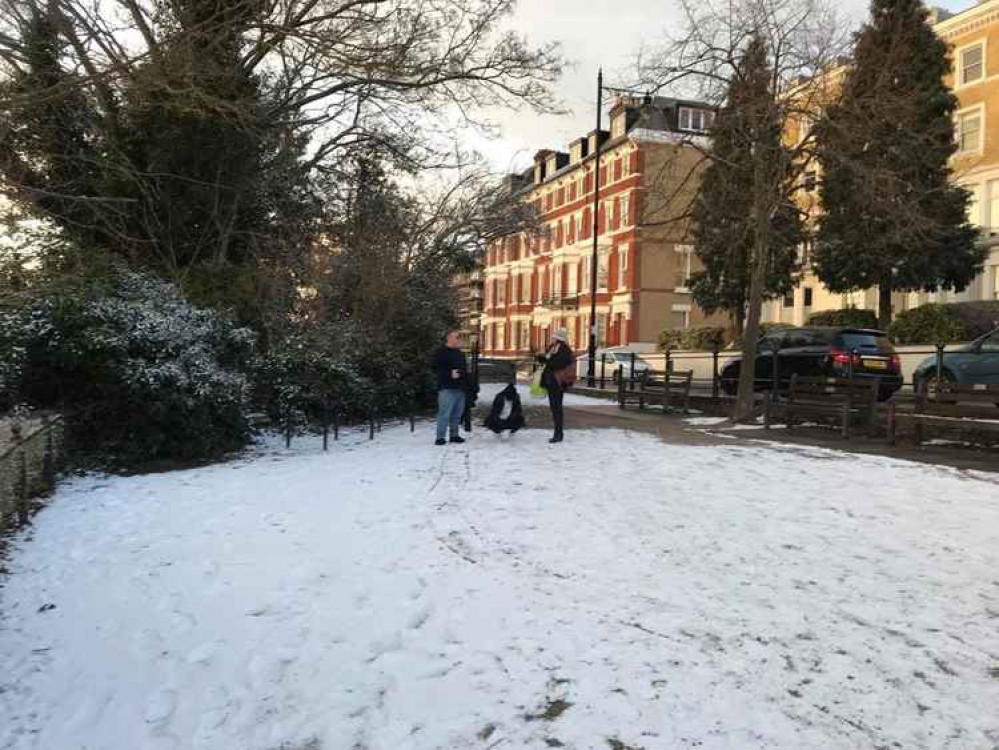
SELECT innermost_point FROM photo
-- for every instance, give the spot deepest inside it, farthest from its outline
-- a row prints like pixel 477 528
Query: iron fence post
pixel 775 374
pixel 940 359
pixel 325 410
pixel 631 377
pixel 48 462
pixel 22 489
pixel 603 370
pixel 714 372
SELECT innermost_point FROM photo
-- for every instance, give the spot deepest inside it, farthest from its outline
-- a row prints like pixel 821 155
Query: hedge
pixel 944 323
pixel 852 316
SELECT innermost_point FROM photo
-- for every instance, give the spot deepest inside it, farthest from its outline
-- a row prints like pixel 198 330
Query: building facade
pixel 538 282
pixel 469 292
pixel 973 36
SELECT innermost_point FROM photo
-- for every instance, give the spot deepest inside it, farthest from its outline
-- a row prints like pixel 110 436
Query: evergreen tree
pixel 723 241
pixel 891 217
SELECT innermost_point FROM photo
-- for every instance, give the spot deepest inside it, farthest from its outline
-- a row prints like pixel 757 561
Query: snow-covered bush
pixel 337 366
pixel 141 374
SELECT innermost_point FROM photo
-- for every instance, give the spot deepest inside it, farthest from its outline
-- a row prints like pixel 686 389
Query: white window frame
pixel 979 111
pixel 687 253
pixel 698 120
pixel 625 205
pixel 622 265
pixel 960 67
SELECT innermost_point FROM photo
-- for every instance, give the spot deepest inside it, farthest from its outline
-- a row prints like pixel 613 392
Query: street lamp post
pixel 591 365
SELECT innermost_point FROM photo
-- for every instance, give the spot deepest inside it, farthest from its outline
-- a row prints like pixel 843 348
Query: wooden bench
pixel 654 387
pixel 842 398
pixel 949 406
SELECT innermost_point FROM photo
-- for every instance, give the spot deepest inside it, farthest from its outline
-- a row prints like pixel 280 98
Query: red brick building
pixel 535 284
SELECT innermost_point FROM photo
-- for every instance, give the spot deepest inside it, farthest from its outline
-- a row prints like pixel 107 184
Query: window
pixel 808 296
pixel 679 316
pixel 789 300
pixel 993 216
pixel 696 119
pixel 622 267
pixel 969 131
pixel 573 276
pixel 974 210
pixel 602 273
pixel 991 344
pixel 683 275
pixel 625 205
pixel 972 64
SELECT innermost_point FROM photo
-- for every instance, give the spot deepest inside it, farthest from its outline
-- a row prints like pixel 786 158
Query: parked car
pixel 977 362
pixel 816 351
pixel 617 359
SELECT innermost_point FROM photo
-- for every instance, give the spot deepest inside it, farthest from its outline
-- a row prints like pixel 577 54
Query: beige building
pixel 537 283
pixel 973 36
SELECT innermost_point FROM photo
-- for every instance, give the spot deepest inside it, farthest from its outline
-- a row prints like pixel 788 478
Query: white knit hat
pixel 561 335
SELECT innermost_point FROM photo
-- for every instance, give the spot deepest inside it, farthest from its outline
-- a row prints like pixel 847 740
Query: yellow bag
pixel 538 390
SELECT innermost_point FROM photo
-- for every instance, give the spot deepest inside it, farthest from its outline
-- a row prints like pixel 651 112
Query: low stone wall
pixel 30 453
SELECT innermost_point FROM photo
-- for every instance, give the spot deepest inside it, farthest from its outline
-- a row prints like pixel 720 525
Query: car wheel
pixel 946 376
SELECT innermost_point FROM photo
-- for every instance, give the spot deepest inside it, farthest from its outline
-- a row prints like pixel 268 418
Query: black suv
pixel 821 351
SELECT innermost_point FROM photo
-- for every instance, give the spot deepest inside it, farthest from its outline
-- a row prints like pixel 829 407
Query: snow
pixel 506 593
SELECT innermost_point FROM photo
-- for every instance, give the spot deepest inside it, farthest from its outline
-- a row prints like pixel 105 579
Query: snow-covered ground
pixel 609 592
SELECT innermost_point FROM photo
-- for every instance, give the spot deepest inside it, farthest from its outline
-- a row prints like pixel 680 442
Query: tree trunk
pixel 746 398
pixel 884 303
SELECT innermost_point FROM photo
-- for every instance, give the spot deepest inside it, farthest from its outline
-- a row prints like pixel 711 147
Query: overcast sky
pixel 594 33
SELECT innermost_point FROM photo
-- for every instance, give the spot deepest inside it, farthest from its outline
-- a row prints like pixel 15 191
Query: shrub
pixel 671 338
pixel 767 327
pixel 140 374
pixel 979 317
pixel 337 365
pixel 929 324
pixel 852 316
pixel 704 338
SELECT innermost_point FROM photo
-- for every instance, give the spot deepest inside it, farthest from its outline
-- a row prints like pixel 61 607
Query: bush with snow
pixel 140 373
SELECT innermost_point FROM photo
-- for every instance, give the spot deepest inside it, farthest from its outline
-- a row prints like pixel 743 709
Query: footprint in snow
pixel 160 707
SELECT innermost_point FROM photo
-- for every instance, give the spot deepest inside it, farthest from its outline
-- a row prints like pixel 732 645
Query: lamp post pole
pixel 591 364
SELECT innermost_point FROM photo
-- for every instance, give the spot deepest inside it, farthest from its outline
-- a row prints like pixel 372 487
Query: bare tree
pixel 799 44
pixel 191 132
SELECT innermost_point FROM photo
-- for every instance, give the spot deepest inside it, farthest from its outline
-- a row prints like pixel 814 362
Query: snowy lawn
pixel 609 592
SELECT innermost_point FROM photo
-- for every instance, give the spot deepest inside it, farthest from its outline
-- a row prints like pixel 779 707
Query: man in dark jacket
pixel 451 370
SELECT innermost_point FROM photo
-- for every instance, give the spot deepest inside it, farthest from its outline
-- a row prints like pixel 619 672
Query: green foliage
pixel 929 324
pixel 141 375
pixel 767 327
pixel 945 323
pixel 851 316
pixel 723 215
pixel 670 339
pixel 892 217
pixel 703 338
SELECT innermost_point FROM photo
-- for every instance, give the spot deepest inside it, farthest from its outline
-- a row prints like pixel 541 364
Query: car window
pixel 991 344
pixel 864 342
pixel 771 341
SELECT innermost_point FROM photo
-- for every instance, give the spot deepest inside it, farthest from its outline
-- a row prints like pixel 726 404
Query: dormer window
pixel 698 120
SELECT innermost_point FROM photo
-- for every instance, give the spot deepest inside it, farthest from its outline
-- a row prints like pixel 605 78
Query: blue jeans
pixel 450 407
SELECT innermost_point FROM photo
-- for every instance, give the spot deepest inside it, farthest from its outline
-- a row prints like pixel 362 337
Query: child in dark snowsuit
pixel 506 412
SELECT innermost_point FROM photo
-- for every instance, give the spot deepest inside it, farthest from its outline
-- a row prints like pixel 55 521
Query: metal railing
pixel 708 367
pixel 28 468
